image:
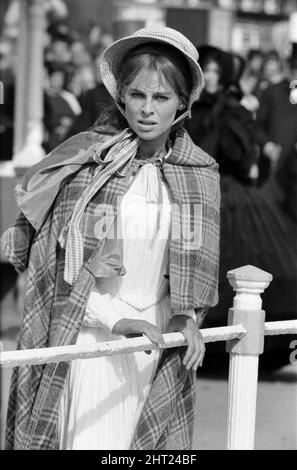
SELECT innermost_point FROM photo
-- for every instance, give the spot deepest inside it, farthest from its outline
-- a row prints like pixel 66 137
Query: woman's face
pixel 211 73
pixel 151 105
pixel 272 69
pixel 57 81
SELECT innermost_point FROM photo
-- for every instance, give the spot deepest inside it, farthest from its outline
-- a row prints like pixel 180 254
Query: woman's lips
pixel 146 125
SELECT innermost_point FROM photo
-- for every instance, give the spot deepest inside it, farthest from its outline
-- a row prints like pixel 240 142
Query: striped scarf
pixel 123 148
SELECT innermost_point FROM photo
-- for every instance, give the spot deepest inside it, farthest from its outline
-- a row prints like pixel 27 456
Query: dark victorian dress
pixel 256 228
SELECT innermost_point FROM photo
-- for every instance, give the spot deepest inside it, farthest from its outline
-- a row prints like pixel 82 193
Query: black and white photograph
pixel 148 228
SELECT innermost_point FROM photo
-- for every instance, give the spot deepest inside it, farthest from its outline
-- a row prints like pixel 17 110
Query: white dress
pixel 103 397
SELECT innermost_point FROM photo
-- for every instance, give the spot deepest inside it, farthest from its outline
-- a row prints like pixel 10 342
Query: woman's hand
pixel 130 328
pixel 196 349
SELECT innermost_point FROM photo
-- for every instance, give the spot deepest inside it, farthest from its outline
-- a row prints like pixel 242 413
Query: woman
pixel 60 105
pixel 254 227
pixel 119 229
pixel 218 121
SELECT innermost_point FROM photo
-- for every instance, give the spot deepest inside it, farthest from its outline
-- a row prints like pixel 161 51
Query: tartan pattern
pixel 193 179
pixel 123 148
pixel 167 419
pixel 53 310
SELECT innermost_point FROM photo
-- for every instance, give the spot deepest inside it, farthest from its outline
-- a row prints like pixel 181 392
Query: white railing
pixel 110 348
pixel 245 341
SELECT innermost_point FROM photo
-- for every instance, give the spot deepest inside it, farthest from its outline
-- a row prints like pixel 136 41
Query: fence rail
pixel 285 327
pixel 110 348
pixel 40 356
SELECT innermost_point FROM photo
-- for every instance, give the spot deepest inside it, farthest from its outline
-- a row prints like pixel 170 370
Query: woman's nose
pixel 147 108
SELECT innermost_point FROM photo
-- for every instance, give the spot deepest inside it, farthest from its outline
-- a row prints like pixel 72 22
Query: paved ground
pixel 276 423
pixel 276 426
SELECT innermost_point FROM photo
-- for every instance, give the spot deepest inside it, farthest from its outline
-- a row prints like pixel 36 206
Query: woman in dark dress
pixel 255 228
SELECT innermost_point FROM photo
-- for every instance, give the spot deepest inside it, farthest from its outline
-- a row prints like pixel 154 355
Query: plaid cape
pixel 167 419
pixel 53 310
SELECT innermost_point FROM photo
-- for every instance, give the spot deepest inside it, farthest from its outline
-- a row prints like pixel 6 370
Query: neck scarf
pixel 119 160
pixel 123 149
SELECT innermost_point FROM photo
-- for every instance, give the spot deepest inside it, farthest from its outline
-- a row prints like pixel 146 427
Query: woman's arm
pixel 16 243
pixel 100 311
pixel 195 344
pixel 127 327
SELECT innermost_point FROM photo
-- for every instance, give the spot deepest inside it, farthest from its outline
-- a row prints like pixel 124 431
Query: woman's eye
pixel 136 95
pixel 162 98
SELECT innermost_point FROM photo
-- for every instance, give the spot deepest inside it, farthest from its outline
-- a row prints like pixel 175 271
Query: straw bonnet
pixel 112 58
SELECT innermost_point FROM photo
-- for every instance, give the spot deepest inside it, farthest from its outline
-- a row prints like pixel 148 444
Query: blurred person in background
pixel 244 83
pixel 277 125
pixel 57 10
pixel 218 113
pixel 60 107
pixel 288 183
pixel 254 65
pixel 255 61
pixel 58 52
pixel 81 81
pixel 272 70
pixel 94 36
pixel 80 56
pixel 254 228
pixel 7 77
pixel 285 169
pixel 238 67
pixel 85 82
pixel 93 102
pixel 248 83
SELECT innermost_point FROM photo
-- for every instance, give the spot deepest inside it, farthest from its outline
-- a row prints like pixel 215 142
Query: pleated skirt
pixel 103 397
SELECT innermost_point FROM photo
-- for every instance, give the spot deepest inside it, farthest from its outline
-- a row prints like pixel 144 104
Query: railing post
pixel 248 282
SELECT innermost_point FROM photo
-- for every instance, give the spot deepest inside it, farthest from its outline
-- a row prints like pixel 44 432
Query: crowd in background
pixel 243 119
pixel 71 71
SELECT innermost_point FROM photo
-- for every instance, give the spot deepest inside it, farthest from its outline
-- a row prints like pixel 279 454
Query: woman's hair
pixel 209 54
pixel 254 53
pixel 164 59
pixel 67 71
